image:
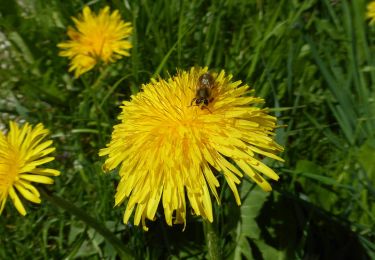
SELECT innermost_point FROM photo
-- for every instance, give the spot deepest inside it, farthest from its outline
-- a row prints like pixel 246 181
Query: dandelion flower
pixel 101 37
pixel 371 12
pixel 22 151
pixel 168 148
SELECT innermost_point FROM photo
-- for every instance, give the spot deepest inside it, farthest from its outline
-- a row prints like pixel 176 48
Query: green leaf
pixel 269 252
pixel 313 171
pixel 22 47
pixel 366 157
pixel 252 202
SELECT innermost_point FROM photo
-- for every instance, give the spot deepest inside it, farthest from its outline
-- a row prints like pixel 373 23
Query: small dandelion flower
pixel 371 12
pixel 174 141
pixel 101 37
pixel 22 151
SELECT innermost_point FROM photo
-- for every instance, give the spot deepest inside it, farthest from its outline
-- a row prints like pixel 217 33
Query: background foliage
pixel 313 61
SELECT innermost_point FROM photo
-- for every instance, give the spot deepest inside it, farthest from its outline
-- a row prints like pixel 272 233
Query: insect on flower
pixel 203 95
pixel 189 146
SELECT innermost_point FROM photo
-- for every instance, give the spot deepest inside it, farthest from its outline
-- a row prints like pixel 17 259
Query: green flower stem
pixel 91 95
pixel 82 215
pixel 103 74
pixel 212 240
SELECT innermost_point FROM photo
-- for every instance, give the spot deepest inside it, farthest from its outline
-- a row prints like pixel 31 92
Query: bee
pixel 203 95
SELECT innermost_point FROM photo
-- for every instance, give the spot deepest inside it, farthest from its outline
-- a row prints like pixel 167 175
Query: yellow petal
pixel 27 194
pixel 36 178
pixel 17 202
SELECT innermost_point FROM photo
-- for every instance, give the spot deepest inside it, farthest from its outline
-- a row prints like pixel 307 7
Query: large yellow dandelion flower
pixel 22 151
pixel 170 144
pixel 371 12
pixel 101 37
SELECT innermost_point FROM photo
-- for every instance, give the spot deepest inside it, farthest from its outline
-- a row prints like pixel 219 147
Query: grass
pixel 313 62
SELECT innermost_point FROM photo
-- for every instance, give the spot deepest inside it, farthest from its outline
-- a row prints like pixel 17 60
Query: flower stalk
pixel 212 240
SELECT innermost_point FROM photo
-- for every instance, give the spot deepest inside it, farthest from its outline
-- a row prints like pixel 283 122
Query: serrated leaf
pixel 253 199
pixel 253 202
pixel 269 252
pixel 242 247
